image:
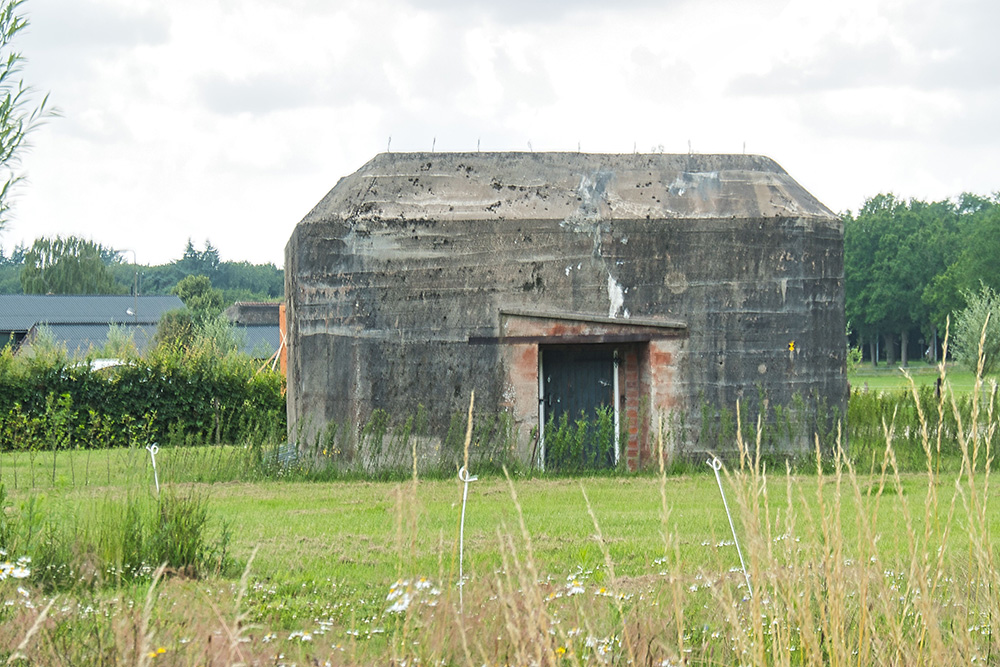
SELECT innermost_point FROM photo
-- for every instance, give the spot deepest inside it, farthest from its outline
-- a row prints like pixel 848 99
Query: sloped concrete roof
pixel 566 186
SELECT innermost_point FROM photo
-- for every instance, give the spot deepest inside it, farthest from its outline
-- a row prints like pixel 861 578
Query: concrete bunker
pixel 647 286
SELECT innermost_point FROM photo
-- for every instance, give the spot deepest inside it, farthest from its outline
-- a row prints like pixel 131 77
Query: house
pixel 654 286
pixel 81 322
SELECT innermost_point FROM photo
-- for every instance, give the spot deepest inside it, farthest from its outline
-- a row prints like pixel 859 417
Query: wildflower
pixel 401 604
pixel 561 650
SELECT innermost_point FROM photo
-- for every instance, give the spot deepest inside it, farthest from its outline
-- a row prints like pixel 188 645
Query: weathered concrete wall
pixel 397 281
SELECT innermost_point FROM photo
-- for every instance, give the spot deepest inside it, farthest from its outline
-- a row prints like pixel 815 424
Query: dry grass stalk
pixel 18 653
pixel 235 632
pixel 144 648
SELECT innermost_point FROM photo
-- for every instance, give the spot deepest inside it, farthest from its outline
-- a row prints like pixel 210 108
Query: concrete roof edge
pixel 596 319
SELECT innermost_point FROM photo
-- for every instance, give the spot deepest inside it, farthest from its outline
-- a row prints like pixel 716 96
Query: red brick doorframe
pixel 649 353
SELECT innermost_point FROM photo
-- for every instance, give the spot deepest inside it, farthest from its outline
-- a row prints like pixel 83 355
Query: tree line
pixel 911 265
pixel 73 265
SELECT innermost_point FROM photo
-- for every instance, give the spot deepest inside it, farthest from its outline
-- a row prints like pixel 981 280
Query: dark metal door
pixel 579 381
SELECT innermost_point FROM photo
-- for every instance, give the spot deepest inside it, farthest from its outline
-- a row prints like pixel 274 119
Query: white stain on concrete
pixel 616 296
pixel 704 184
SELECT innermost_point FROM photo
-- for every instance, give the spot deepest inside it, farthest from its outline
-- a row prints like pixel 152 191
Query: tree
pixel 859 255
pixel 68 266
pixel 16 257
pixel 10 270
pixel 896 257
pixel 18 114
pixel 969 330
pixel 198 295
pixel 176 327
pixel 251 281
pixel 199 263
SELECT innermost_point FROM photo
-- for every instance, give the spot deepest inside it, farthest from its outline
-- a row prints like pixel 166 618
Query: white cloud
pixel 230 119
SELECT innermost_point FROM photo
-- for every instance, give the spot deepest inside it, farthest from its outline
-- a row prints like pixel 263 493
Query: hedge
pixel 175 394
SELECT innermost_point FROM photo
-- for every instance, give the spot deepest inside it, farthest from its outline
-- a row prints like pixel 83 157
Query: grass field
pixel 846 569
pixel 887 377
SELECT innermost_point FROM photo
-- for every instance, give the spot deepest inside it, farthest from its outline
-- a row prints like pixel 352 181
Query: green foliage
pixel 199 297
pixel 854 352
pixel 220 333
pixel 205 392
pixel 10 270
pixel 176 328
pixel 199 319
pixel 124 539
pixel 869 411
pixel 982 312
pixel 854 356
pixel 194 262
pixel 909 264
pixel 68 265
pixel 581 445
pixel 238 281
pixel 243 281
pixel 18 113
pixel 120 344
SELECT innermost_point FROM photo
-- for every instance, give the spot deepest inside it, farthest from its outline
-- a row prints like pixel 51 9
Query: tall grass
pixel 119 540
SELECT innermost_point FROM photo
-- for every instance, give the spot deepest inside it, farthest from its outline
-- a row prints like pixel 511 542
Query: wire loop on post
pixel 463 475
pixel 153 449
pixel 715 464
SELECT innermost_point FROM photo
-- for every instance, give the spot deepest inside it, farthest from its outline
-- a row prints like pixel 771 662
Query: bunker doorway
pixel 578 407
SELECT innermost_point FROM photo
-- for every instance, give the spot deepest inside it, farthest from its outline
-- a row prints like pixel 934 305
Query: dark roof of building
pixel 567 186
pixel 260 340
pixel 80 339
pixel 20 312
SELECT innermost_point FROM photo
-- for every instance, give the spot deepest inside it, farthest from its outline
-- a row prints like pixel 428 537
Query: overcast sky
pixel 228 120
